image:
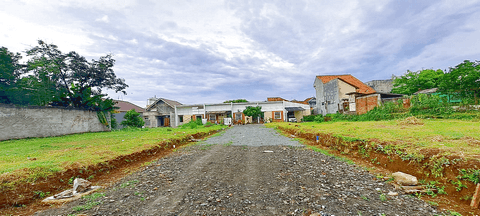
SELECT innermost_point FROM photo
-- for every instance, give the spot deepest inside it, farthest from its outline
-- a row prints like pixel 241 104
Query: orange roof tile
pixel 276 99
pixel 361 87
pixel 125 106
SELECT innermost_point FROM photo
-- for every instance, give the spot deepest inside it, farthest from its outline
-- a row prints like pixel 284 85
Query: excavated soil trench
pixel 392 162
pixel 22 199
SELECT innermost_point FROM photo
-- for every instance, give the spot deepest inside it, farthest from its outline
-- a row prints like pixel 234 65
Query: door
pixel 167 122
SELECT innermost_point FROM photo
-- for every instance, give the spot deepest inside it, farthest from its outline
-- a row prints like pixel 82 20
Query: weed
pixel 41 194
pixel 466 197
pixel 87 206
pixel 432 203
pixel 458 185
pixel 472 175
pixel 383 197
pixel 90 177
pixel 90 202
pixel 363 151
pixel 364 198
pixel 129 183
pixel 228 144
pixel 437 166
pixel 93 196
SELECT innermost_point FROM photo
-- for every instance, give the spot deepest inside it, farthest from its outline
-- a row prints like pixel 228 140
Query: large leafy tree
pixel 413 81
pixel 69 79
pixel 253 111
pixel 10 72
pixel 463 79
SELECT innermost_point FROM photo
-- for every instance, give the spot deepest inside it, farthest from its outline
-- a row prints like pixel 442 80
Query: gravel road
pixel 232 174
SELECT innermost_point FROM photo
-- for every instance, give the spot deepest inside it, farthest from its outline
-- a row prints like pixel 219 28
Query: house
pixel 160 112
pixel 215 113
pixel 332 93
pixel 123 108
pixel 384 86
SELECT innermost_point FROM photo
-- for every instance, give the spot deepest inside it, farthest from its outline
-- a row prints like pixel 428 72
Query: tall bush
pixel 132 119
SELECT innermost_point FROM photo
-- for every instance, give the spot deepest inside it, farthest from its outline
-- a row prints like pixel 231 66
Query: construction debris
pixel 81 187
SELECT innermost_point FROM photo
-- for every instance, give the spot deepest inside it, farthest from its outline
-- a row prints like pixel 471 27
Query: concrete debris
pixel 80 185
pixel 405 179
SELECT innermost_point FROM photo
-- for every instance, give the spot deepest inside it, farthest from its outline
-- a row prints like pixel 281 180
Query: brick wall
pixel 366 103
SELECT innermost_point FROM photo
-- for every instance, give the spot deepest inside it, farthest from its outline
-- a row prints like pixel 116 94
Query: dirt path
pixel 233 175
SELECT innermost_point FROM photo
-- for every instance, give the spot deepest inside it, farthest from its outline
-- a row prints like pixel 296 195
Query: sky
pixel 210 51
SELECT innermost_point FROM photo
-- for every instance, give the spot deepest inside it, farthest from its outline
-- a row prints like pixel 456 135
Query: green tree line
pixel 52 78
pixel 463 79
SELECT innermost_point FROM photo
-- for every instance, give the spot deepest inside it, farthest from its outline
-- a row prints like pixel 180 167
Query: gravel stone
pixel 240 179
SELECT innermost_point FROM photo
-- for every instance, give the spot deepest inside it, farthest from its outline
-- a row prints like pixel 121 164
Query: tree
pixel 132 119
pixel 70 80
pixel 254 112
pixel 236 101
pixel 463 79
pixel 412 82
pixel 10 71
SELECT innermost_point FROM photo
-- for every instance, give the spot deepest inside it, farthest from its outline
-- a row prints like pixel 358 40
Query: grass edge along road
pixel 31 167
pixel 452 168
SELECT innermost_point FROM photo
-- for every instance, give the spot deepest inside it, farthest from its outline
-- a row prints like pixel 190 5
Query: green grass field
pixel 454 136
pixel 54 154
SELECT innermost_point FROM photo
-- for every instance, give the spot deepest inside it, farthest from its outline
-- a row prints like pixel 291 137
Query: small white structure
pixel 219 113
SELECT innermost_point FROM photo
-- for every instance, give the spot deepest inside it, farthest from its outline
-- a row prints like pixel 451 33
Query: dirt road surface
pixel 248 170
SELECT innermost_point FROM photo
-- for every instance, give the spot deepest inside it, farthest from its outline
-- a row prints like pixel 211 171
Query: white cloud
pixel 103 19
pixel 208 51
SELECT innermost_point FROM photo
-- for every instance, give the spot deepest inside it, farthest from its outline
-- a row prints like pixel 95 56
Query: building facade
pixel 332 93
pixel 215 113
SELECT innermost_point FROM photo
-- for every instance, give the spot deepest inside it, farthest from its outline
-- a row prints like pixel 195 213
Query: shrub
pixel 309 118
pixel 319 118
pixel 132 119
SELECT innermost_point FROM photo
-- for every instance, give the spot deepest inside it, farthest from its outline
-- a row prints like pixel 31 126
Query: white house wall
pixel 238 107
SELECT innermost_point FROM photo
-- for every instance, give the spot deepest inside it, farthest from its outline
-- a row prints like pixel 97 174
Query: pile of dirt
pixel 412 120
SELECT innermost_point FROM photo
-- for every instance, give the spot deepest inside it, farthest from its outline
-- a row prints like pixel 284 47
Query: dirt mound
pixel 412 120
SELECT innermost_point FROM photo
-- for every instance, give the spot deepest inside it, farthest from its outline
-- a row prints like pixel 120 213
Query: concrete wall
pixel 319 97
pixel 22 122
pixel 331 96
pixel 384 86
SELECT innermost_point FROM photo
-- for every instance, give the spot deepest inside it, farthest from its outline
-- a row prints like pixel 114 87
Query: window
pixel 212 117
pixel 147 122
pixel 180 117
pixel 277 115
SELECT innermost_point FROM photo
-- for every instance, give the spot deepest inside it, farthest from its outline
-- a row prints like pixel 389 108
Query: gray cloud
pixel 197 52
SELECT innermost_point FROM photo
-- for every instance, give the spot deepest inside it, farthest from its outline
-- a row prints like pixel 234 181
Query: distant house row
pixel 161 112
pixel 334 93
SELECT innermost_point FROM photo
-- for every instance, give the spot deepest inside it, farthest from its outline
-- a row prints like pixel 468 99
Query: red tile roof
pixel 361 87
pixel 276 99
pixel 125 106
